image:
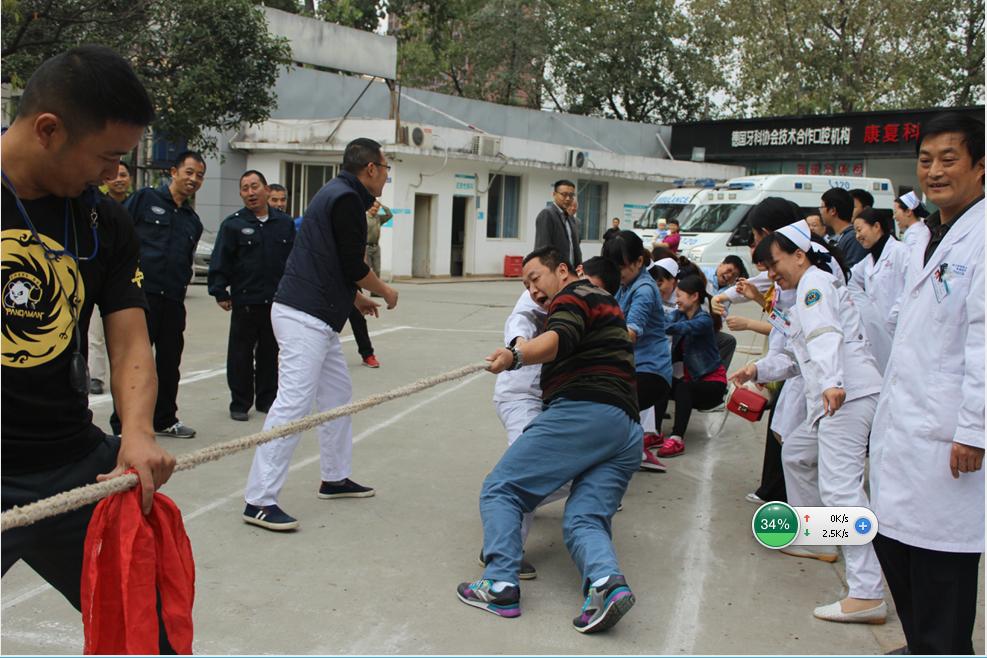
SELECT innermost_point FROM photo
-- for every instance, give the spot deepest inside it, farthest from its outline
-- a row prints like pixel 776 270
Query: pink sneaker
pixel 671 447
pixel 651 463
pixel 652 440
pixel 371 362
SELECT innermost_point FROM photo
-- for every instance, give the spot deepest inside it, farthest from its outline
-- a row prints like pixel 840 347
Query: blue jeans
pixel 598 447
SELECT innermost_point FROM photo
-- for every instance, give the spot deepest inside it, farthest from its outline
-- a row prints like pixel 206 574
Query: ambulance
pixel 674 203
pixel 717 223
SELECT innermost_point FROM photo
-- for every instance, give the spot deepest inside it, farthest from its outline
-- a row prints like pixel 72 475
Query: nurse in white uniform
pixel 927 446
pixel 909 214
pixel 876 282
pixel 825 456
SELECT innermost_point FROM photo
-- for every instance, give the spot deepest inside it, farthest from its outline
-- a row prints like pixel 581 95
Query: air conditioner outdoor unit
pixel 417 136
pixel 486 146
pixel 576 158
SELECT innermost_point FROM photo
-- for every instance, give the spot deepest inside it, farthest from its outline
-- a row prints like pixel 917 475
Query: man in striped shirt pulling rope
pixel 589 433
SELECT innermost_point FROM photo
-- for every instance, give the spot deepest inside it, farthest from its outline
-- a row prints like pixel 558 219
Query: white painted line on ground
pixel 199 375
pixel 683 627
pixel 219 502
pixel 29 594
pixel 359 437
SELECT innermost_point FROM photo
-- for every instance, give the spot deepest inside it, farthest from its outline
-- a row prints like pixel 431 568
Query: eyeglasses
pixel 381 164
pixel 566 195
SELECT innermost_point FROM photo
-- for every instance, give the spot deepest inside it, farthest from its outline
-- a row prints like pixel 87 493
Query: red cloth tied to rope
pixel 130 558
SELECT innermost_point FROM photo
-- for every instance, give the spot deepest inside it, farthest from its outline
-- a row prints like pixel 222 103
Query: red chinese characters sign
pixel 891 133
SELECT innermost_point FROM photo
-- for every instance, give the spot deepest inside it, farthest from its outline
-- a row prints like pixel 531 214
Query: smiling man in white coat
pixel 927 442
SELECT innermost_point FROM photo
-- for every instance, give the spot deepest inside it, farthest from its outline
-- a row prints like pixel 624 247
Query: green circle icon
pixel 775 525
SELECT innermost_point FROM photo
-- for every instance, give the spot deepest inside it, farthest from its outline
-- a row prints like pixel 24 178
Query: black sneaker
pixel 604 605
pixel 528 571
pixel 270 517
pixel 348 489
pixel 95 386
pixel 505 603
pixel 177 431
pixel 239 415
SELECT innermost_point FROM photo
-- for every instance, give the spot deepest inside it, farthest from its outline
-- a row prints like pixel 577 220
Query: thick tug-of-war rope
pixel 67 501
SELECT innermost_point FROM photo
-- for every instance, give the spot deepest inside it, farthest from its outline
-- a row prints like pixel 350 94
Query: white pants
pixel 97 350
pixel 311 369
pixel 515 415
pixel 824 466
pixel 648 420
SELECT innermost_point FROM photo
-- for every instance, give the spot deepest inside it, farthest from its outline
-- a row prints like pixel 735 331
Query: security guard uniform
pixel 248 260
pixel 168 236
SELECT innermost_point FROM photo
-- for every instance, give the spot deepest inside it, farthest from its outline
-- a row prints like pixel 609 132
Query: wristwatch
pixel 517 363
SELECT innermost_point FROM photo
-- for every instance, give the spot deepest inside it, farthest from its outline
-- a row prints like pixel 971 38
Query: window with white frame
pixel 302 182
pixel 592 210
pixel 503 206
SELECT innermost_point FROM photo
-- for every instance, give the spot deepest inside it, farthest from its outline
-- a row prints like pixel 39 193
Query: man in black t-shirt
pixel 65 251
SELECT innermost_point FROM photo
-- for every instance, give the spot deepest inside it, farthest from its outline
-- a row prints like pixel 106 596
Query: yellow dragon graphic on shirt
pixel 37 293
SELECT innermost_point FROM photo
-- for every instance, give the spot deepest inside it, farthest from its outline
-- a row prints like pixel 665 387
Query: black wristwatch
pixel 517 363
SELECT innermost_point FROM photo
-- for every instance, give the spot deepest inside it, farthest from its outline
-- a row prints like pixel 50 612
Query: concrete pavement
pixel 378 575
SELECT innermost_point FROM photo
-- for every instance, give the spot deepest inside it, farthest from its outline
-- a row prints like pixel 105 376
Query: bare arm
pixel 135 388
pixel 542 349
pixel 373 283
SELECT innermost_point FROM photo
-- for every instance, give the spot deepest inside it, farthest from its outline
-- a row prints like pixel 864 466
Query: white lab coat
pixel 526 321
pixel 826 343
pixel 875 288
pixel 933 395
pixel 915 233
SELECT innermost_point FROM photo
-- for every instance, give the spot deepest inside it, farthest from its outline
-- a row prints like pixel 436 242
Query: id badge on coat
pixel 940 282
pixel 780 321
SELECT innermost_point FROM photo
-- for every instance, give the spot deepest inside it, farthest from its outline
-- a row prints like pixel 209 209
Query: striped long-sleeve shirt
pixel 595 361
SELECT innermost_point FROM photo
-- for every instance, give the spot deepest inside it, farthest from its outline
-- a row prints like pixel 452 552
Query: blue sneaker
pixel 505 603
pixel 604 605
pixel 270 517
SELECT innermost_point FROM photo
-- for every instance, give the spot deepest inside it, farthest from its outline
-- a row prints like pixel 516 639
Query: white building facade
pixel 468 177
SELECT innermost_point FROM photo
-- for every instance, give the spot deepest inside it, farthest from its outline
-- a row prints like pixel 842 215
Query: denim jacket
pixel 698 339
pixel 640 300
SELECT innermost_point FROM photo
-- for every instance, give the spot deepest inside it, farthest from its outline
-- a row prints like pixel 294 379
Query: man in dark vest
pixel 319 288
pixel 556 228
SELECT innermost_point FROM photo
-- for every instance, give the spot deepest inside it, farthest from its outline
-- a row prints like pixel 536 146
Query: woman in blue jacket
pixel 640 301
pixel 700 379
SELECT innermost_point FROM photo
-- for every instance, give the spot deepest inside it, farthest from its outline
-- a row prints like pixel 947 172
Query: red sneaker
pixel 652 440
pixel 371 362
pixel 671 447
pixel 651 463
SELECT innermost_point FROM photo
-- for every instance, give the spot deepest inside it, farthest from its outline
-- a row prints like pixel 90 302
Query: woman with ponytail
pixel 700 380
pixel 878 280
pixel 824 458
pixel 640 301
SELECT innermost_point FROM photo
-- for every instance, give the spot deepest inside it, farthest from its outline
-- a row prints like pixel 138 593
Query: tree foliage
pixel 493 50
pixel 811 56
pixel 208 65
pixel 360 14
pixel 628 59
pixel 669 60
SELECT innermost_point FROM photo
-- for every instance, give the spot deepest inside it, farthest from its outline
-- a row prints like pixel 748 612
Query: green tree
pixel 492 50
pixel 208 66
pixel 361 14
pixel 812 56
pixel 629 59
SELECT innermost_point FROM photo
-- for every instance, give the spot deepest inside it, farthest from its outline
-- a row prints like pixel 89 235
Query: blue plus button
pixel 862 526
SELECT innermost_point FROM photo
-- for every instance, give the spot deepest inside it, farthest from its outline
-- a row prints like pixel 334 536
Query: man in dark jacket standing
pixel 319 287
pixel 251 250
pixel 556 228
pixel 169 229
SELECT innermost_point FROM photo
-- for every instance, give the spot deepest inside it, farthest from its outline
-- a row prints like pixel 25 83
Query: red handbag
pixel 747 404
